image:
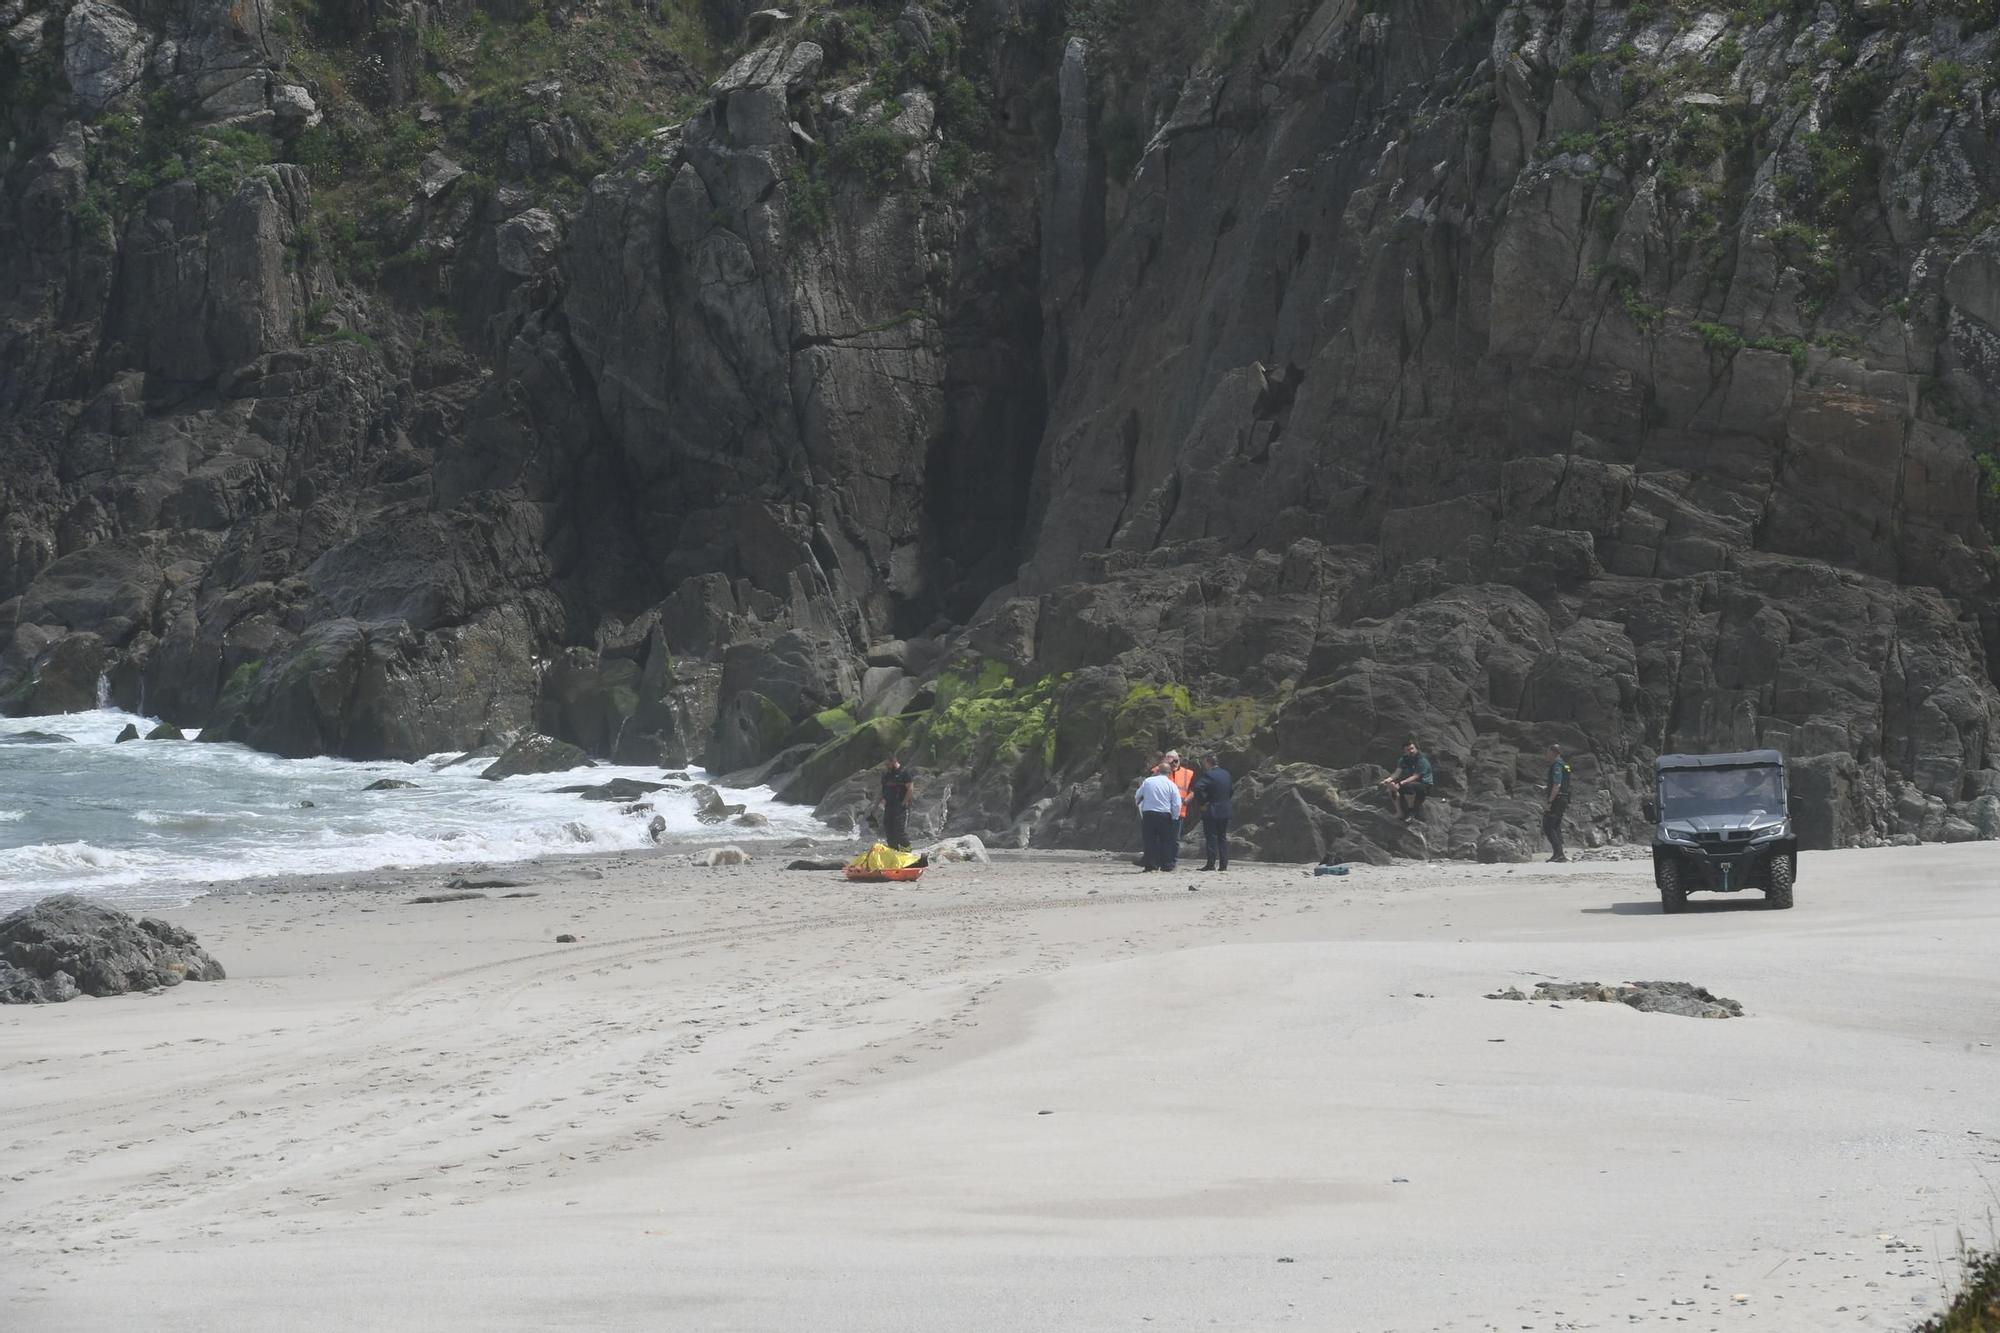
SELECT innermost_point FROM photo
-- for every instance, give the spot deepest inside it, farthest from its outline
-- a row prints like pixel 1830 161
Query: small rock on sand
pixel 1651 997
pixel 565 939
pixel 967 848
pixel 443 898
pixel 721 856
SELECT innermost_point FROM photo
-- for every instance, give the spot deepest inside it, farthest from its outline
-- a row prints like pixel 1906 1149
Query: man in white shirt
pixel 1159 802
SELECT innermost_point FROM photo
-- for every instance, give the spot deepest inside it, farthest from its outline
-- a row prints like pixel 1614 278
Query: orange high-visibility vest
pixel 1184 779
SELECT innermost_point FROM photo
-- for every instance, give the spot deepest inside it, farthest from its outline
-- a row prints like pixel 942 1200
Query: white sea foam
pixel 154 822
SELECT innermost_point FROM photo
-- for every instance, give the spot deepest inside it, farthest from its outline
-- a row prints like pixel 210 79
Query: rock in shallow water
pixel 66 945
pixel 618 789
pixel 709 807
pixel 537 754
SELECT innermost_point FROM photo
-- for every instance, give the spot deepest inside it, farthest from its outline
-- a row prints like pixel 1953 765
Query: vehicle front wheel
pixel 1673 898
pixel 1779 894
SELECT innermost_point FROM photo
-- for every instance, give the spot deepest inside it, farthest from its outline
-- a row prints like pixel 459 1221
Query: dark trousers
pixel 896 826
pixel 1552 825
pixel 1215 839
pixel 1162 833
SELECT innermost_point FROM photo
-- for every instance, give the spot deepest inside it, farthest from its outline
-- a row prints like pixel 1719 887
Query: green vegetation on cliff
pixel 984 716
pixel 545 100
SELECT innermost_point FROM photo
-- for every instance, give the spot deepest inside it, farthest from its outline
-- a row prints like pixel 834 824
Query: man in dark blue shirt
pixel 1557 797
pixel 1411 782
pixel 899 789
pixel 1213 789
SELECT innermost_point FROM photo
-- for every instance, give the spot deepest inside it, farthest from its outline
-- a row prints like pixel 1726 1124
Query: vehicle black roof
pixel 1736 759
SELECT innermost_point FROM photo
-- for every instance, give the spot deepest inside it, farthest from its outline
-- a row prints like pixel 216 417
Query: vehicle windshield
pixel 1690 793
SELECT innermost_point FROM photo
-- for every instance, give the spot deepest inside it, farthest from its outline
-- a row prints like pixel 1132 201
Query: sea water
pixel 154 823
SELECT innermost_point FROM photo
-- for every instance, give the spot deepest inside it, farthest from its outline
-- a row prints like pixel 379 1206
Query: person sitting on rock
pixel 1411 782
pixel 899 788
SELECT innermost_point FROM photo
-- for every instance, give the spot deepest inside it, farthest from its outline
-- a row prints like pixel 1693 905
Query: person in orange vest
pixel 1183 776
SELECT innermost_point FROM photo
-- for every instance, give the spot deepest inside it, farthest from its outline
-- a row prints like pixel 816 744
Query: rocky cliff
pixel 1023 386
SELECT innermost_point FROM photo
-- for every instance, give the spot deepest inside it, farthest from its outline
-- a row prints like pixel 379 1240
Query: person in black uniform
pixel 1558 802
pixel 1213 789
pixel 899 788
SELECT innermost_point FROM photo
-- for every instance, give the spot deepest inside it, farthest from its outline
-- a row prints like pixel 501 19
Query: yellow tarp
pixel 883 857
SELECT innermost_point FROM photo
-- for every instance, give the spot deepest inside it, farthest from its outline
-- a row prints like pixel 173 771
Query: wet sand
pixel 1047 1093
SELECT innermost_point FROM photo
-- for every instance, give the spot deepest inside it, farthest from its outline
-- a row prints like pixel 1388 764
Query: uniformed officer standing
pixel 1558 802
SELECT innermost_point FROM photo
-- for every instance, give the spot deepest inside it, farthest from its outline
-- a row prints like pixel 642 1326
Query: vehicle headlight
pixel 1767 832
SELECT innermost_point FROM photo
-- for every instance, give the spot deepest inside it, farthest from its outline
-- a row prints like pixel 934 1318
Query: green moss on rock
pixel 868 745
pixel 1169 717
pixel 827 725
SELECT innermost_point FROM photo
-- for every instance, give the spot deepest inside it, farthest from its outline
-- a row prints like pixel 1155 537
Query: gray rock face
pixel 103 52
pixel 65 946
pixel 1357 377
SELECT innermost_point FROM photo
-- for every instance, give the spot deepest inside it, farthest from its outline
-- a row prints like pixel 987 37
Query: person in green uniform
pixel 1411 782
pixel 1557 797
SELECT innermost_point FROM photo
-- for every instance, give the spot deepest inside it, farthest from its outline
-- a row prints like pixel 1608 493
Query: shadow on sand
pixel 1695 906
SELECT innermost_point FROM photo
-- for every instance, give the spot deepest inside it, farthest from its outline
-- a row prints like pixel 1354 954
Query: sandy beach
pixel 1046 1093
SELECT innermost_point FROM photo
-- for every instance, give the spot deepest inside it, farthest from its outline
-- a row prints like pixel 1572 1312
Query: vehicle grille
pixel 1732 835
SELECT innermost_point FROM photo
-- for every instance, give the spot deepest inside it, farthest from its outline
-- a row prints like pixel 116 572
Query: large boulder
pixel 1828 810
pixel 867 746
pixel 382 690
pixel 536 754
pixel 65 680
pixel 1301 812
pixel 67 945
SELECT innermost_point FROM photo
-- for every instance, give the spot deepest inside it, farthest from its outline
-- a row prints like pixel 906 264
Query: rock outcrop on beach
pixel 1649 997
pixel 65 946
pixel 1024 386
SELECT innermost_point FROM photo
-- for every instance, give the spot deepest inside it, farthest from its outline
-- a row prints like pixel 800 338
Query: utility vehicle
pixel 1721 824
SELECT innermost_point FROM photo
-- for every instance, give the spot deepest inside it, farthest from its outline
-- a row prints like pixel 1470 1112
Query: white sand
pixel 751 1099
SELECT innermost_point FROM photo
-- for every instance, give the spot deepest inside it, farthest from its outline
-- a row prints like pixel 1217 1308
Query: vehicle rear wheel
pixel 1673 898
pixel 1779 894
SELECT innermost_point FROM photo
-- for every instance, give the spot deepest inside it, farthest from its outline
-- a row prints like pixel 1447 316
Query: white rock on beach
pixel 721 856
pixel 967 848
